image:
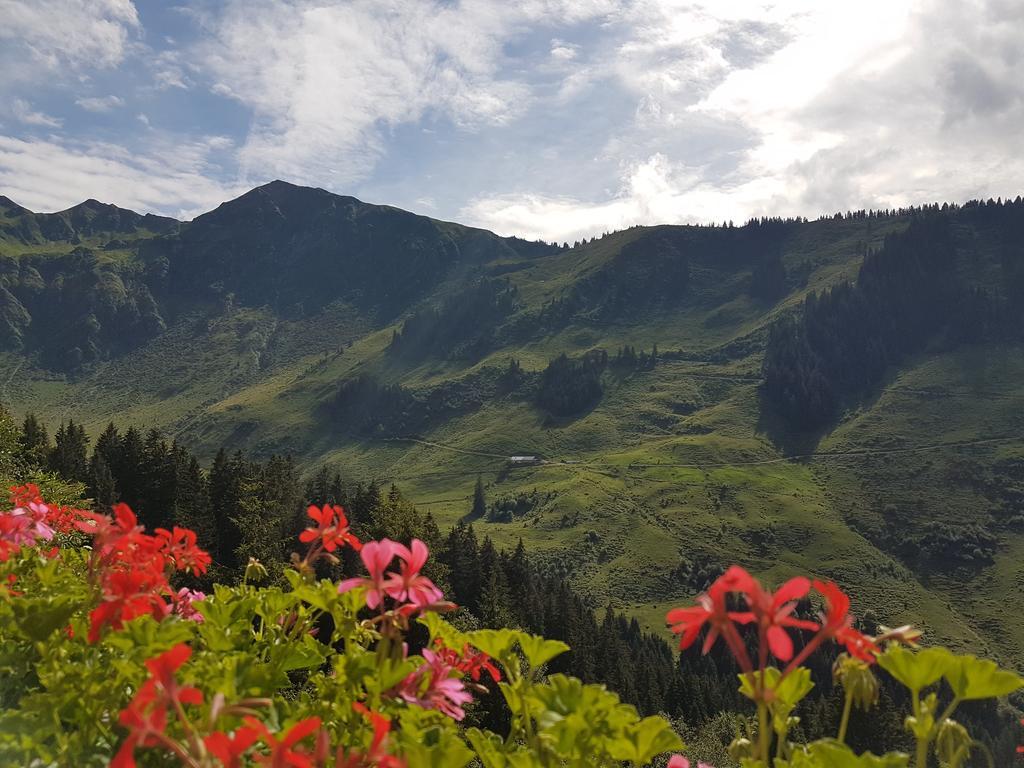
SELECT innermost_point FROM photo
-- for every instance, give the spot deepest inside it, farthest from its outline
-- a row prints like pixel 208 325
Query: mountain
pixel 840 396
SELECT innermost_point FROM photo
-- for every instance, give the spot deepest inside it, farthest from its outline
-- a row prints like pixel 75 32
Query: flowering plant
pixel 777 692
pixel 108 658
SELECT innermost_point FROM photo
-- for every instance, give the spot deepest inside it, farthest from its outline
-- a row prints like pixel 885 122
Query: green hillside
pixel 413 351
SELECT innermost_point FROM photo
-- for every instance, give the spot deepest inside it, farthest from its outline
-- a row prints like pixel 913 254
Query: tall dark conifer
pixel 35 441
pixel 479 500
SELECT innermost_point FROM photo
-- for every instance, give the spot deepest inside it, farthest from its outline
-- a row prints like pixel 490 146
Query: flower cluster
pixel 737 600
pixel 468 662
pixel 772 615
pixel 411 590
pixel 436 685
pixel 32 520
pixel 130 568
pixel 304 745
pixel 146 716
pixel 331 531
pixel 146 719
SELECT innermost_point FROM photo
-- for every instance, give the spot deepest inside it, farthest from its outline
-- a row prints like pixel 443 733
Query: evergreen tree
pixel 225 491
pixel 69 455
pixel 493 598
pixel 101 486
pixel 127 467
pixel 479 500
pixel 35 441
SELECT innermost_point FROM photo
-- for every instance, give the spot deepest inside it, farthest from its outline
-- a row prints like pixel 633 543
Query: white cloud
pixel 23 113
pixel 837 107
pixel 169 178
pixel 99 103
pixel 563 51
pixel 168 71
pixel 653 191
pixel 327 81
pixel 555 118
pixel 48 35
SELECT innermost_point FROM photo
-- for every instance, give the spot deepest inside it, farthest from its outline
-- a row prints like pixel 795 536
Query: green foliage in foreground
pixel 105 663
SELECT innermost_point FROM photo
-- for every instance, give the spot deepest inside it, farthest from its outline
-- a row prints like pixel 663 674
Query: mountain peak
pixel 94 205
pixel 9 206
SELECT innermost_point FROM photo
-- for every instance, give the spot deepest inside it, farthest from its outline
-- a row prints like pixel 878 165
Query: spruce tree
pixel 479 500
pixel 101 486
pixel 35 441
pixel 69 455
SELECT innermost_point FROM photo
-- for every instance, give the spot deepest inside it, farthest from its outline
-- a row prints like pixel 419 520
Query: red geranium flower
pixel 710 609
pixel 180 546
pixel 377 756
pixel 773 614
pixel 332 528
pixel 229 749
pixel 146 716
pixel 127 595
pixel 469 662
pixel 837 623
pixel 282 754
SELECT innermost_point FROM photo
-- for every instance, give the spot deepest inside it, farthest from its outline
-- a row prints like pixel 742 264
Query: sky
pixel 551 119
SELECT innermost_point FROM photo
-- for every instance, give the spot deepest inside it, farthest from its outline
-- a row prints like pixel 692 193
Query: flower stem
pixel 845 722
pixel 922 753
pixel 763 737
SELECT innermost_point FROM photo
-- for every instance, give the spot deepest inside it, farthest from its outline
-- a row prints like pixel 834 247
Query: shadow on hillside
pixel 550 420
pixel 789 440
pixel 796 442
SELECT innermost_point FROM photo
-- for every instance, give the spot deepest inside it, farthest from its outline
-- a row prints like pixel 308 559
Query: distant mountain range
pixel 840 396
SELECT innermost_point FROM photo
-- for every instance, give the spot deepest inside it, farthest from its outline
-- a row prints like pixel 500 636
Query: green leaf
pixel 916 670
pixel 539 651
pixel 829 753
pixel 974 678
pixel 651 737
pixel 38 619
pixel 494 753
pixel 302 655
pixel 496 643
pixel 748 683
pixel 793 688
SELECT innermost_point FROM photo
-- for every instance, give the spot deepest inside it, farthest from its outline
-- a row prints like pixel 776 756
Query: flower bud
pixel 953 744
pixel 857 680
pixel 906 634
pixel 741 748
pixel 255 570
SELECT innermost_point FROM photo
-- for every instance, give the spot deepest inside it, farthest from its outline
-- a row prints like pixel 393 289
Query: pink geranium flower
pixel 409 585
pixel 376 556
pixel 184 606
pixel 432 686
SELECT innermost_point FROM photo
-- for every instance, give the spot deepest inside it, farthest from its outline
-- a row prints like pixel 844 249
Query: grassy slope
pixel 673 462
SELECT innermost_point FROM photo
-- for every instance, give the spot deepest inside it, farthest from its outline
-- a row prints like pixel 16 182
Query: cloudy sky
pixel 544 118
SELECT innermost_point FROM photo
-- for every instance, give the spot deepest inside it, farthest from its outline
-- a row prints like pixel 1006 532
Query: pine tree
pixel 479 500
pixel 127 467
pixel 493 608
pixel 69 455
pixel 225 494
pixel 101 486
pixel 35 441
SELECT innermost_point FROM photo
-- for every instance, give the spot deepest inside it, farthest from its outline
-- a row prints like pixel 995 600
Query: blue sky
pixel 544 118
